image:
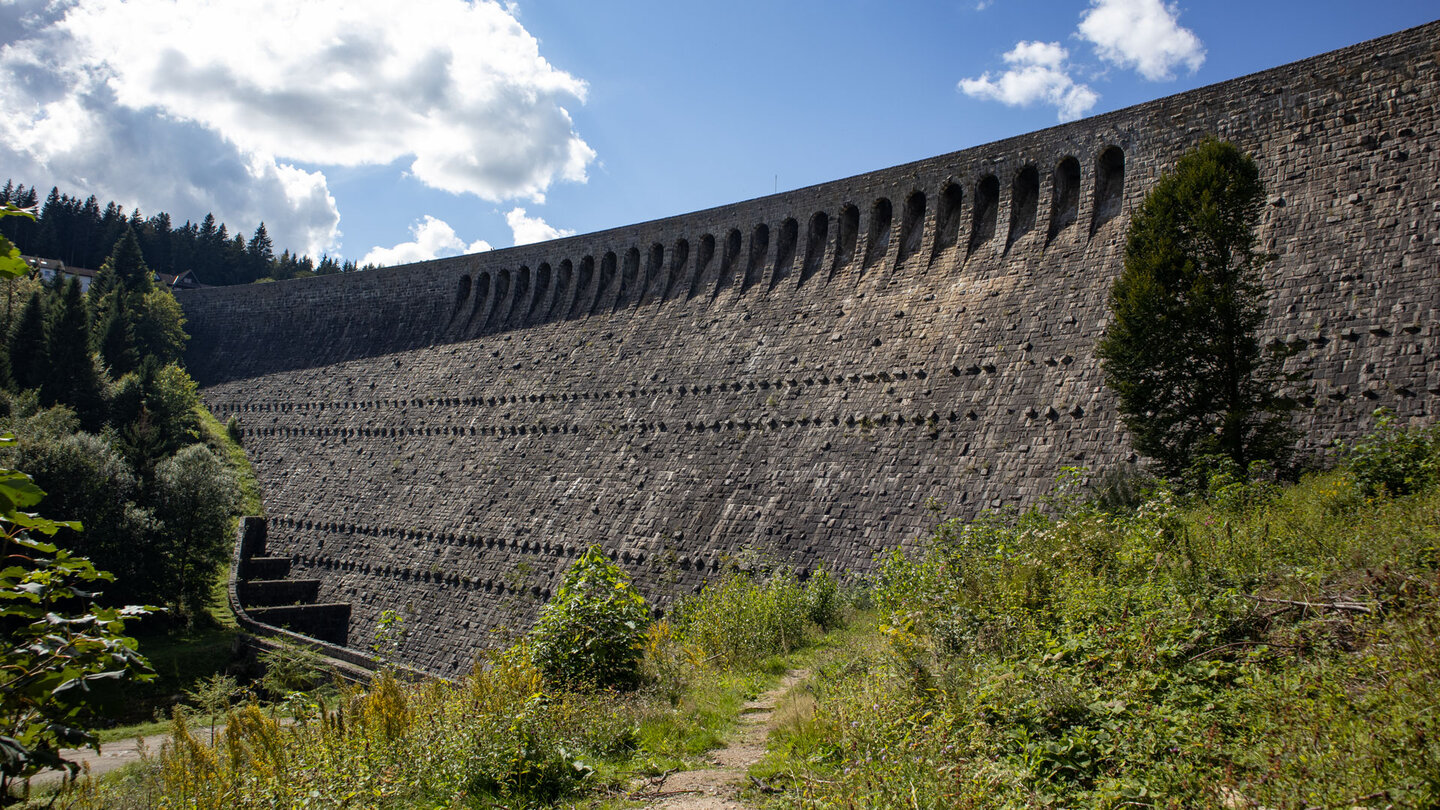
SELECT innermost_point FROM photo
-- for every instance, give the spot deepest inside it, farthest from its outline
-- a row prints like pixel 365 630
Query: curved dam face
pixel 801 376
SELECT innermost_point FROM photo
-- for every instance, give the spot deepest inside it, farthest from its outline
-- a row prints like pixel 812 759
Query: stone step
pixel 265 568
pixel 274 592
pixel 329 622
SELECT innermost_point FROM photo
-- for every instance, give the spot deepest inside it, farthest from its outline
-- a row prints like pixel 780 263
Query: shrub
pixel 1394 460
pixel 738 620
pixel 293 667
pixel 592 631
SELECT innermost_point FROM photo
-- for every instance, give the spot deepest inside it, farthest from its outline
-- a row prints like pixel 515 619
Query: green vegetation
pixel 1180 351
pixel 590 633
pixel 110 424
pixel 1250 645
pixel 82 232
pixel 55 642
pixel 509 734
pixel 1257 647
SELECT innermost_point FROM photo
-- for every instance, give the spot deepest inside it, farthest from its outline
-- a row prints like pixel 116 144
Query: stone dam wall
pixel 801 376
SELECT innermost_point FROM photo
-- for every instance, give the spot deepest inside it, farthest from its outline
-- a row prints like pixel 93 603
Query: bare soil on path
pixel 718 787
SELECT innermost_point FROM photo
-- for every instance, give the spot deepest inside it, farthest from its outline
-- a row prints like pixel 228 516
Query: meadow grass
pixel 1265 646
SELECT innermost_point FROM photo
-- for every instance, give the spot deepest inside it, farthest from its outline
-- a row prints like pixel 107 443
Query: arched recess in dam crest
pixel 785 246
pixel 564 297
pixel 949 215
pixel 847 237
pixel 1109 187
pixel 605 284
pixel 877 239
pixel 1024 202
pixel 586 282
pixel 629 291
pixel 704 264
pixel 912 227
pixel 480 310
pixel 678 281
pixel 816 245
pixel 756 256
pixel 985 209
pixel 729 262
pixel 1064 196
pixel 520 297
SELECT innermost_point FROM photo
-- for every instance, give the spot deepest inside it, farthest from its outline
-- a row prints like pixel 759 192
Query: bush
pixel 1393 460
pixel 738 620
pixel 293 667
pixel 822 600
pixel 592 631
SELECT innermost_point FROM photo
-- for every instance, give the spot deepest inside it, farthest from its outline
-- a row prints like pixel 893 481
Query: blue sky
pixel 392 132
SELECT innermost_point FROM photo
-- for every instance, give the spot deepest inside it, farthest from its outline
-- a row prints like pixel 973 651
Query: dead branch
pixel 1349 607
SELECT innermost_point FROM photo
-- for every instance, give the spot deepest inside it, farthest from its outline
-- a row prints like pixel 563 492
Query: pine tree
pixel 1181 350
pixel 260 254
pixel 27 344
pixel 128 264
pixel 71 378
pixel 115 336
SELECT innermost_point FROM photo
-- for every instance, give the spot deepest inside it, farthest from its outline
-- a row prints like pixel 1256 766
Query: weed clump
pixel 742 619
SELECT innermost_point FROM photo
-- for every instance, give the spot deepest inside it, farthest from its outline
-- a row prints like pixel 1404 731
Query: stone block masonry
pixel 803 375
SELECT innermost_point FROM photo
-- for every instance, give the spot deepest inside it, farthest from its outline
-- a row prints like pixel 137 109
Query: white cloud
pixel 1141 34
pixel 194 106
pixel 529 230
pixel 433 238
pixel 1037 73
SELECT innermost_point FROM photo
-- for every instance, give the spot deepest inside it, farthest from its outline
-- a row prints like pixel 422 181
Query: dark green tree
pixel 590 633
pixel 194 501
pixel 27 344
pixel 115 336
pixel 128 264
pixel 71 377
pixel 259 254
pixel 1181 350
pixel 159 326
pixel 52 645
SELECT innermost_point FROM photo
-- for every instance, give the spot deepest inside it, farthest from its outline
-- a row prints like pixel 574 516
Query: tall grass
pixel 497 736
pixel 1264 647
pixel 503 736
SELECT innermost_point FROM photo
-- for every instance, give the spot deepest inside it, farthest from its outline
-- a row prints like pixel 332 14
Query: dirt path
pixel 718 787
pixel 118 754
pixel 112 755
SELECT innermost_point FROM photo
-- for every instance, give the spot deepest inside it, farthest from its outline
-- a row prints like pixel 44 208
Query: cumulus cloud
pixel 1141 34
pixel 434 238
pixel 1037 73
pixel 237 108
pixel 528 230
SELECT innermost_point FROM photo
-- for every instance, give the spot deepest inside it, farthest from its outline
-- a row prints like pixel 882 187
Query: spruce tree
pixel 70 378
pixel 259 254
pixel 128 264
pixel 1181 351
pixel 27 344
pixel 115 336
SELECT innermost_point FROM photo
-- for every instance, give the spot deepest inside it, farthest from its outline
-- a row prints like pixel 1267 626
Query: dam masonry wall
pixel 802 376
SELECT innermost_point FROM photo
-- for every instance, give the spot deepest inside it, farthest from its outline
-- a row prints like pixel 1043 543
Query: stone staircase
pixel 268 596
